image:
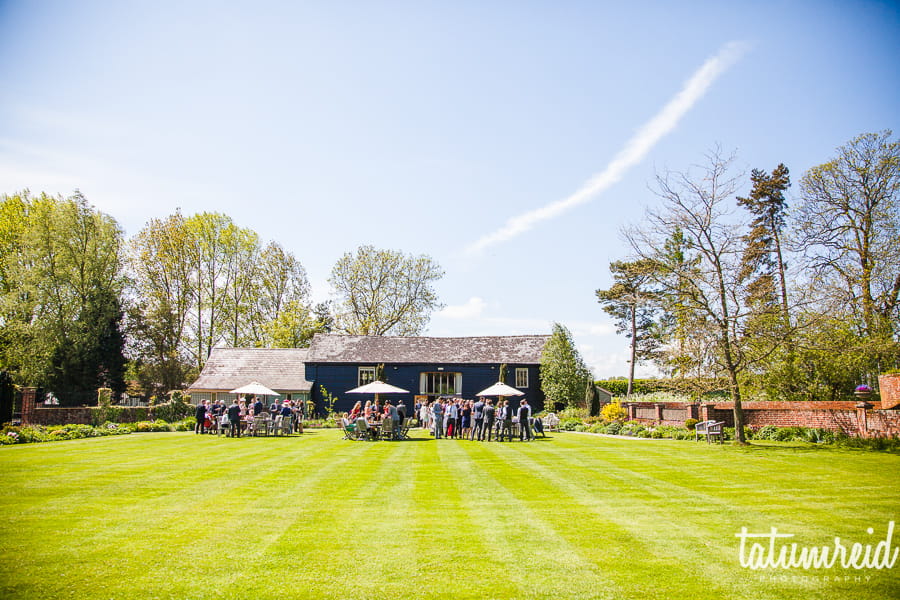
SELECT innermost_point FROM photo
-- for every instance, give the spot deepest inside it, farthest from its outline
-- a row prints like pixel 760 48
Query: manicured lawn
pixel 174 515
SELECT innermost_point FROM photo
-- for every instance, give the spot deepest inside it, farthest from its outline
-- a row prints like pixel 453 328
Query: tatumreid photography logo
pixel 772 550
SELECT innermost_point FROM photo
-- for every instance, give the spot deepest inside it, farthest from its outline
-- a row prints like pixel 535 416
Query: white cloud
pixel 631 154
pixel 473 308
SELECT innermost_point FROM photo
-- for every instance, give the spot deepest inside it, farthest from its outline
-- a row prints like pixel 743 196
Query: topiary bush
pixel 690 424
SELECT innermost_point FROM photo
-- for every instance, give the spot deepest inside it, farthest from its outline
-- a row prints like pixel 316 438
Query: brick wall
pixel 889 388
pixel 837 416
pixel 78 415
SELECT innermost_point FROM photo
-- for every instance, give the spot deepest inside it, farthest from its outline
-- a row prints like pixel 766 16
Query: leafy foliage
pixel 613 412
pixel 61 286
pixel 564 374
pixel 385 292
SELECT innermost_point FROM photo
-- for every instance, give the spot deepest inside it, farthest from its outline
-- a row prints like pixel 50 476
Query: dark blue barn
pixel 426 366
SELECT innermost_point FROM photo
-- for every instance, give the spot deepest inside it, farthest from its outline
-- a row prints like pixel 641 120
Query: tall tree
pixel 62 285
pixel 162 262
pixel 634 305
pixel 281 286
pixel 385 292
pixel 849 229
pixel 564 375
pixel 712 292
pixel 764 253
pixel 201 281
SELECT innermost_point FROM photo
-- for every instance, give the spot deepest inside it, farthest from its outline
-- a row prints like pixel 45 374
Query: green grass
pixel 174 515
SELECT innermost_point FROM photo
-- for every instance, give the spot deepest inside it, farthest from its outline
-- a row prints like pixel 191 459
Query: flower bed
pixel 26 434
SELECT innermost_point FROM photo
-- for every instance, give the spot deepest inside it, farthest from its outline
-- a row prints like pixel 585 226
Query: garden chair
pixel 403 434
pixel 261 424
pixel 222 425
pixel 276 425
pixel 362 429
pixel 387 429
pixel 349 430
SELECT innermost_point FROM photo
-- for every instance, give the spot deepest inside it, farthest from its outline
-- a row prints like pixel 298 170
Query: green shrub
pixel 573 413
pixel 891 444
pixel 174 410
pixel 151 426
pixel 767 432
pixel 186 425
pixel 790 434
pixel 690 424
pixel 597 428
pixel 569 424
pixel 614 428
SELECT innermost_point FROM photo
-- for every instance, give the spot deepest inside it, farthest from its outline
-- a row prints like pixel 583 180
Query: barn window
pixel 366 375
pixel 521 378
pixel 440 384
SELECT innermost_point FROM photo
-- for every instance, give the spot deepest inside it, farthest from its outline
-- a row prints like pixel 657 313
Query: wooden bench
pixel 711 429
pixel 550 422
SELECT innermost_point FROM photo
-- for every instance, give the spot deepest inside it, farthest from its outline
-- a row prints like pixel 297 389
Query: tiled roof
pixel 279 369
pixel 520 349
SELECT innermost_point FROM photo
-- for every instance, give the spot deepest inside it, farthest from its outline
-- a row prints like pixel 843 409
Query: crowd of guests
pixel 455 418
pixel 242 412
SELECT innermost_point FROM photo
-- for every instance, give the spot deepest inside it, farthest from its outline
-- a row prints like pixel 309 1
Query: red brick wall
pixel 79 415
pixel 884 423
pixel 889 388
pixel 837 416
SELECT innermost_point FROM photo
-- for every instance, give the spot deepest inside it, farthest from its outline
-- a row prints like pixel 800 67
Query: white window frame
pixel 365 375
pixel 522 377
pixel 423 383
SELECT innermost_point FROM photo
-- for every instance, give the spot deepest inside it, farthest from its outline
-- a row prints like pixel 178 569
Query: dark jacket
pixel 234 413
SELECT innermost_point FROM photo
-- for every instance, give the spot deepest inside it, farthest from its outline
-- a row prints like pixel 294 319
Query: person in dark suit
pixel 202 408
pixel 525 434
pixel 258 407
pixel 478 420
pixel 489 414
pixel 234 417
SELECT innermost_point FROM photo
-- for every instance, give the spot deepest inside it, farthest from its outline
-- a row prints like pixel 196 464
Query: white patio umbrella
pixel 255 388
pixel 377 388
pixel 500 389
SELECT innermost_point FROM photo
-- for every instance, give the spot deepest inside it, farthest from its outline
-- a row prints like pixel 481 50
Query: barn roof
pixel 280 369
pixel 518 349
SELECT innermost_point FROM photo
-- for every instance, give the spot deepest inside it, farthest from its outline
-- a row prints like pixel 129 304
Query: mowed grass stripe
pixel 656 523
pixel 649 502
pixel 220 518
pixel 587 522
pixel 450 554
pixel 520 532
pixel 314 516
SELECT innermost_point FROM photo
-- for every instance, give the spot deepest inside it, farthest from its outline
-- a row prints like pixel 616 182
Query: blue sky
pixel 430 127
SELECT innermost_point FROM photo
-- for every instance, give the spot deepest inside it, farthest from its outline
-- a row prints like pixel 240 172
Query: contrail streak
pixel 631 154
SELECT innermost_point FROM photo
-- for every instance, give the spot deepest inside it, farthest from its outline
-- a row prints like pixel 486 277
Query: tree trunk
pixel 633 351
